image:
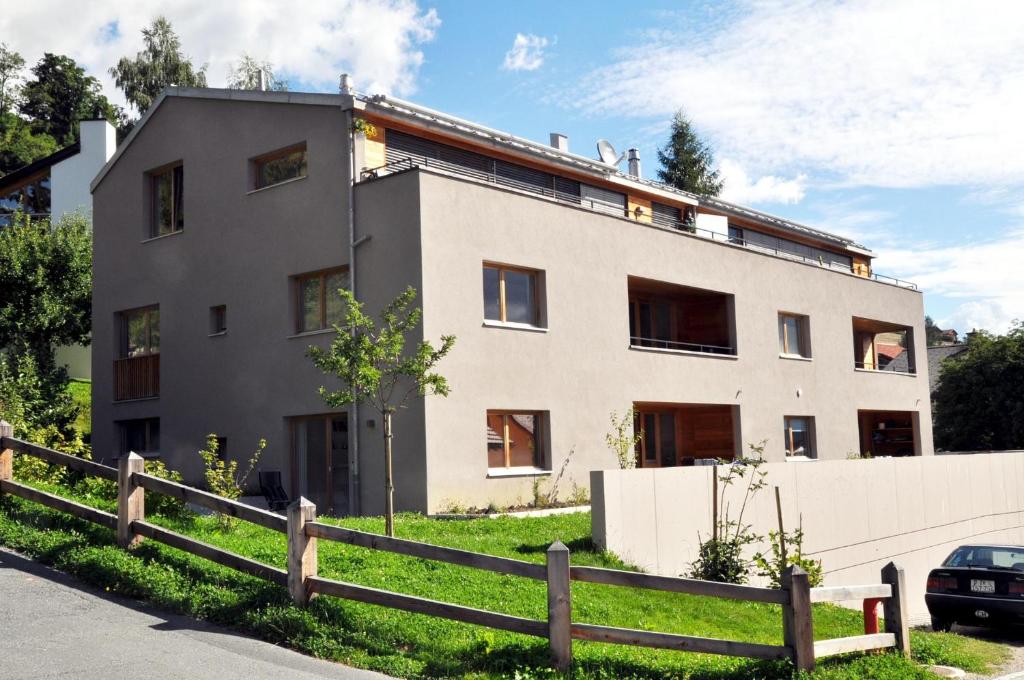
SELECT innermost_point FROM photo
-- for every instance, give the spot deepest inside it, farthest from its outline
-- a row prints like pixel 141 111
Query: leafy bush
pixel 623 439
pixel 771 566
pixel 223 477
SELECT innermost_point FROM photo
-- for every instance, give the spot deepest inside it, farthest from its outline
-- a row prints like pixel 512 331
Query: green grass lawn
pixel 81 392
pixel 412 645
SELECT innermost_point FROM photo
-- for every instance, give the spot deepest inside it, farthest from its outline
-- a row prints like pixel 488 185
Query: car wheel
pixel 941 625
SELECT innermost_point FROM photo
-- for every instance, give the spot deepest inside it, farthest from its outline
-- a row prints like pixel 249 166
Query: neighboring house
pixel 936 355
pixel 226 220
pixel 56 186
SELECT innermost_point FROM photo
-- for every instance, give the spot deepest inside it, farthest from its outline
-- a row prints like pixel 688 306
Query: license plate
pixel 981 586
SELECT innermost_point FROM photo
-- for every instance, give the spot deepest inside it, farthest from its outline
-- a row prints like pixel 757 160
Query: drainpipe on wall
pixel 345 87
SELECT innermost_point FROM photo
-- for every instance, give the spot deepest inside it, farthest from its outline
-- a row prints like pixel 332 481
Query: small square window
pixel 514 439
pixel 218 319
pixel 318 305
pixel 141 436
pixel 799 436
pixel 794 335
pixel 511 295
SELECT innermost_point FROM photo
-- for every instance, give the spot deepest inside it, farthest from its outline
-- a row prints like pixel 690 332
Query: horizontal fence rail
pixel 681 643
pixel 211 552
pixel 420 605
pixel 188 494
pixel 85 512
pixel 690 586
pixel 75 463
pixel 427 551
pixel 303 582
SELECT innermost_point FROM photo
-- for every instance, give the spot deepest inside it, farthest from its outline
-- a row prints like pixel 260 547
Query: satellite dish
pixel 606 152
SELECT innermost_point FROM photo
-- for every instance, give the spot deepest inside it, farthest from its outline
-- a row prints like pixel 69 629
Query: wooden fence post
pixel 559 607
pixel 6 455
pixel 131 504
pixel 894 608
pixel 302 558
pixel 797 621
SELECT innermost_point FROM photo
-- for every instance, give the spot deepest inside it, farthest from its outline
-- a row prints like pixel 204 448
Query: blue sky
pixel 895 123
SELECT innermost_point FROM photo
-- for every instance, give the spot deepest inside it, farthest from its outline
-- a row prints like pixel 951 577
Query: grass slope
pixel 412 645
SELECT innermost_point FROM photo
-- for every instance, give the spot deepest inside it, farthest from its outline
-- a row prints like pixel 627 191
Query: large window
pixel 799 436
pixel 319 306
pixel 511 295
pixel 793 335
pixel 140 332
pixel 140 436
pixel 514 440
pixel 167 201
pixel 280 166
pixel 671 317
pixel 30 196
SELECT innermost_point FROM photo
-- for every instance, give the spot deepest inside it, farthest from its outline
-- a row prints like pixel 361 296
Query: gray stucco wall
pixel 581 369
pixel 238 249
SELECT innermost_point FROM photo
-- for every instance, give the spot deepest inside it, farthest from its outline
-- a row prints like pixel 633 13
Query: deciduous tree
pixel 687 162
pixel 11 64
pixel 159 65
pixel 245 75
pixel 374 368
pixel 979 403
pixel 59 95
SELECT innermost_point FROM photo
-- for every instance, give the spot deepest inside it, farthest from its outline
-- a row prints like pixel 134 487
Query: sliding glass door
pixel 320 462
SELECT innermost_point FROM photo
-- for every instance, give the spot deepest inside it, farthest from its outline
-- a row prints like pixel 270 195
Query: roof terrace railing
pixel 492 177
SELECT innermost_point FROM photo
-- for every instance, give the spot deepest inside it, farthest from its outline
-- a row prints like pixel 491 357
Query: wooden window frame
pixel 802 333
pixel 256 162
pixel 539 453
pixel 788 446
pixel 298 280
pixel 148 435
pixel 535 274
pixel 641 430
pixel 153 177
pixel 122 351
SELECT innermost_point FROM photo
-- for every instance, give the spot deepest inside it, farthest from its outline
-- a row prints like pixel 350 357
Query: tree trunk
pixel 389 484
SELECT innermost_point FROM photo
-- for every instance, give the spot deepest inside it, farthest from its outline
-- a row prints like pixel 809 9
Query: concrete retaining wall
pixel 856 514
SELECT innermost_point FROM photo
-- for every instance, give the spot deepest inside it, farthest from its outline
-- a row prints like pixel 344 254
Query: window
pixel 140 436
pixel 793 335
pixel 510 295
pixel 319 305
pixel 140 332
pixel 279 166
pixel 218 319
pixel 514 440
pixel 799 436
pixel 168 206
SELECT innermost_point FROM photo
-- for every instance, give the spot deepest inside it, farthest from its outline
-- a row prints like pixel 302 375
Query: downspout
pixel 355 500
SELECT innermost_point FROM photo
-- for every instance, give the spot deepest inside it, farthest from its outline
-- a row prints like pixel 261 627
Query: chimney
pixel 633 156
pixel 560 141
pixel 262 80
pixel 345 84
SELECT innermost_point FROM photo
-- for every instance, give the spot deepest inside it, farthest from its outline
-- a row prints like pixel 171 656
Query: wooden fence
pixel 303 582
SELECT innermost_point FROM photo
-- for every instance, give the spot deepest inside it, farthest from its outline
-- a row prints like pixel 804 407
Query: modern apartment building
pixel 226 220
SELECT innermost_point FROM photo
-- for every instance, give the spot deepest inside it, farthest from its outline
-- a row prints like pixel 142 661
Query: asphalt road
pixel 51 626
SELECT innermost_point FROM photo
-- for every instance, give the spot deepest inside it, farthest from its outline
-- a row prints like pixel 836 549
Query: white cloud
pixel 987 276
pixel 897 94
pixel 738 187
pixel 378 41
pixel 527 53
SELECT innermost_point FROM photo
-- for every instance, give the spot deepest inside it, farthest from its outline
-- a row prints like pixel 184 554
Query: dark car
pixel 978 585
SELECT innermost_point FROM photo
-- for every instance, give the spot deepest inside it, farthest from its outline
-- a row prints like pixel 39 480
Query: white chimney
pixel 345 84
pixel 560 141
pixel 262 83
pixel 633 156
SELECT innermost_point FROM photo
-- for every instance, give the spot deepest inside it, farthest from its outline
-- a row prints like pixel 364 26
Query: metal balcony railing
pixel 492 177
pixel 891 367
pixel 655 343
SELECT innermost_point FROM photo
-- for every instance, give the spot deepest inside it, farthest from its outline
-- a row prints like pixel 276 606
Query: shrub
pixel 223 477
pixel 623 438
pixel 771 566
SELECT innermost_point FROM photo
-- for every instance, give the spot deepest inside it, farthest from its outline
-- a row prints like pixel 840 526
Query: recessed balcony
pixel 670 317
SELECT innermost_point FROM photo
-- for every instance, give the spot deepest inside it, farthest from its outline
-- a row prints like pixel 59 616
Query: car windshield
pixel 988 557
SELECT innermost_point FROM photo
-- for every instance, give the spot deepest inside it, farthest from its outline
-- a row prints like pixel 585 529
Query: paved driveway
pixel 53 627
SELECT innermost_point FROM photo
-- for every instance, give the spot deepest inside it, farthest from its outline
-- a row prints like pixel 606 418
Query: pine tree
pixel 687 162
